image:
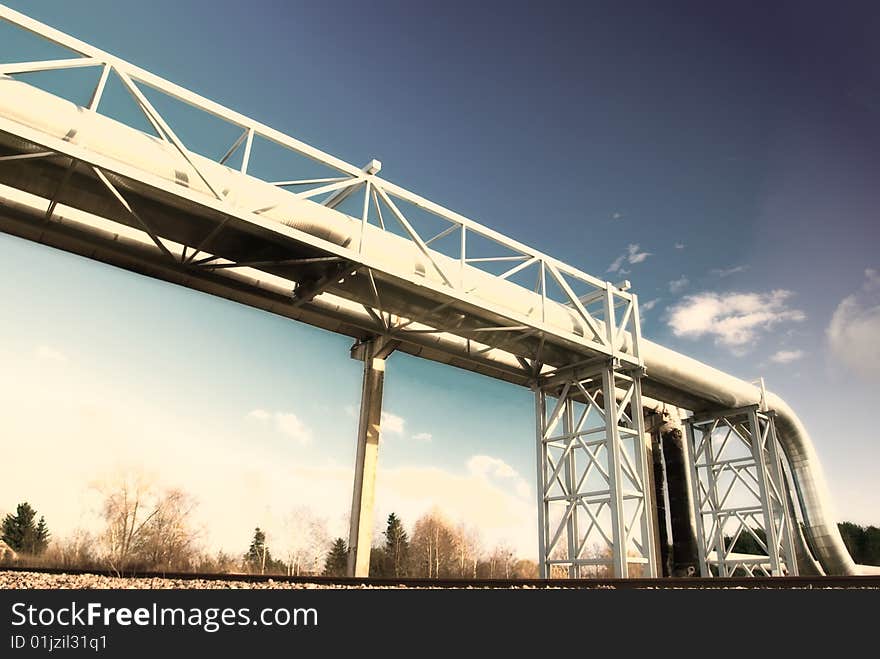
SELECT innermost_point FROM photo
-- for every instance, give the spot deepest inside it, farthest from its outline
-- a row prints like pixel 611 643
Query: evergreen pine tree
pixel 20 532
pixel 41 536
pixel 396 546
pixel 258 556
pixel 337 560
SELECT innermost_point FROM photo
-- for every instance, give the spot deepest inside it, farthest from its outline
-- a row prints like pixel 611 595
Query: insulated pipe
pixel 684 381
pixel 718 389
pixel 681 376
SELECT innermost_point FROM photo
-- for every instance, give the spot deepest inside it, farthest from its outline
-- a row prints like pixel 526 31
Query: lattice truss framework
pixel 594 495
pixel 446 240
pixel 738 492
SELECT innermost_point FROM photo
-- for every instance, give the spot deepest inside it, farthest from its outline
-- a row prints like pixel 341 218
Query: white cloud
pixel 291 426
pixel 260 415
pixel 285 422
pixel 391 423
pixel 732 319
pixel 726 272
pixel 487 467
pixel 855 327
pixel 423 437
pixel 678 285
pixel 616 216
pixel 679 245
pixel 635 256
pixel 631 256
pixel 786 356
pixel 650 304
pixel 46 353
pixel 616 264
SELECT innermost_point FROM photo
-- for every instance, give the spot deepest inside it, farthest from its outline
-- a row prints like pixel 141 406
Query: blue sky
pixel 729 156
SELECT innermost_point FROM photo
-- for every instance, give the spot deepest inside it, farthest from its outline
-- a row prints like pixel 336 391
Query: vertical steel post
pixel 541 458
pixel 615 484
pixel 570 470
pixel 642 451
pixel 717 514
pixel 691 453
pixel 360 533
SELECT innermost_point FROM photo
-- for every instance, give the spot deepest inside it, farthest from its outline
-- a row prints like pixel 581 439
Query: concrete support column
pixel 373 353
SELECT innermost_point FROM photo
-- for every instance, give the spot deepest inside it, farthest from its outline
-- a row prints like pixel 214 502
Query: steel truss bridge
pixel 634 442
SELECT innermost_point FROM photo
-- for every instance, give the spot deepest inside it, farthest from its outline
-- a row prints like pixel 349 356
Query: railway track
pixel 772 583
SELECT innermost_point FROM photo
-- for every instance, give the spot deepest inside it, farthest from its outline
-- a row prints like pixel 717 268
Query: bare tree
pixel 501 562
pixel 219 563
pixel 167 539
pixel 144 525
pixel 432 549
pixel 307 541
pixel 467 551
pixel 77 550
pixel 523 568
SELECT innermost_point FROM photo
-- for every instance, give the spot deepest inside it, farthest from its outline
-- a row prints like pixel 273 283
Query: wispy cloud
pixel 485 466
pixel 854 328
pixel 650 304
pixel 678 285
pixel 423 437
pixel 786 356
pixel 632 255
pixel 291 426
pixel 726 272
pixel 391 423
pixel 284 422
pixel 260 415
pixel 46 353
pixel 616 216
pixel 732 319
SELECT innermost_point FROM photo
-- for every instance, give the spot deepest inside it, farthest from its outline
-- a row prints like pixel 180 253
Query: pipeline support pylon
pixel 373 353
pixel 595 510
pixel 738 493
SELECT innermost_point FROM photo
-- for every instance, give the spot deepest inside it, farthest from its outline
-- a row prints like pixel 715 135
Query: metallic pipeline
pixel 675 372
pixel 683 381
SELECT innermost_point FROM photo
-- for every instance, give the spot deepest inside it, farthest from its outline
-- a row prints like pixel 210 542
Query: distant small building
pixel 7 555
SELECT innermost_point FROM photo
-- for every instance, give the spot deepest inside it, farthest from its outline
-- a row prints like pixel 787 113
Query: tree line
pixel 151 529
pixel 862 542
pixel 436 549
pixel 147 528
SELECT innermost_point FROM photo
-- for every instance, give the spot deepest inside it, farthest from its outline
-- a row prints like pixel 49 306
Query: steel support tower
pixel 738 493
pixel 596 512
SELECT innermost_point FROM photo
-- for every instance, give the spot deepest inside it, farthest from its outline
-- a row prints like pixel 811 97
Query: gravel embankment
pixel 22 580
